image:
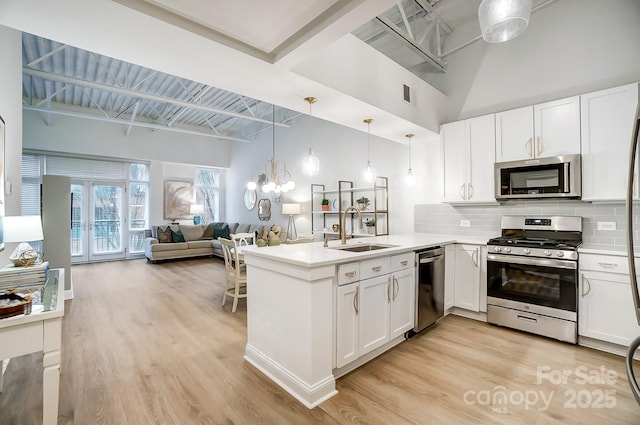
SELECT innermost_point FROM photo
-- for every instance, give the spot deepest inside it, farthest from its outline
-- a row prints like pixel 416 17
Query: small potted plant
pixel 370 224
pixel 325 204
pixel 363 203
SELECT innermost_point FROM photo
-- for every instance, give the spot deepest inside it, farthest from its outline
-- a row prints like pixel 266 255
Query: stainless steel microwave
pixel 553 177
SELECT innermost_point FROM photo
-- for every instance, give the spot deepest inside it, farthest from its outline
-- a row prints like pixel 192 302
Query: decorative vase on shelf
pixel 325 205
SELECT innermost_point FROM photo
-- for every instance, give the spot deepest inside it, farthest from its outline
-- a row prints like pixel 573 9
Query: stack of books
pixel 13 277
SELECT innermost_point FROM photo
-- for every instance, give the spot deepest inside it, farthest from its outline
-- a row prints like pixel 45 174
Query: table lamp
pixel 21 229
pixel 291 210
pixel 196 210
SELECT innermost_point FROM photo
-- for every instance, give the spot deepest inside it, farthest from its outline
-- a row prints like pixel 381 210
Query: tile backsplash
pixel 484 220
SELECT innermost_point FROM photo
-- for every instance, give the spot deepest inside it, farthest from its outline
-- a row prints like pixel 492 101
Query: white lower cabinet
pixel 374 311
pixel 468 276
pixel 449 276
pixel 605 304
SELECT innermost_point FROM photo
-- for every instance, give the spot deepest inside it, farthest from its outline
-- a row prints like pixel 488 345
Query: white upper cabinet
pixel 544 130
pixel 469 154
pixel 607 119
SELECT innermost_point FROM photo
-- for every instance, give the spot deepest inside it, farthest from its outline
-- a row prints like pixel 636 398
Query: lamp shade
pixel 503 20
pixel 290 209
pixel 196 209
pixel 23 228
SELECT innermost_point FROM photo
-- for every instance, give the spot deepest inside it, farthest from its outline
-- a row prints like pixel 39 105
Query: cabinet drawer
pixel 403 261
pixel 605 263
pixel 375 267
pixel 348 273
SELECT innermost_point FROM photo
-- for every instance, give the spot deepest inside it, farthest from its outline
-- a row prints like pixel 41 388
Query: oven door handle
pixel 544 262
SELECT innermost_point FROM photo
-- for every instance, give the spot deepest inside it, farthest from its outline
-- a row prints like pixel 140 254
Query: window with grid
pixel 30 196
pixel 138 206
pixel 207 193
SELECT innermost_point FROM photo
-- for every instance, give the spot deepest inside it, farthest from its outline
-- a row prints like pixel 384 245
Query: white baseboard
pixel 68 293
pixel 311 395
pixel 475 315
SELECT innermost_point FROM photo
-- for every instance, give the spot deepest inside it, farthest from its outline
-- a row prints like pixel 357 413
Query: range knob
pixel 560 254
pixel 497 249
pixel 507 249
pixel 547 252
pixel 526 251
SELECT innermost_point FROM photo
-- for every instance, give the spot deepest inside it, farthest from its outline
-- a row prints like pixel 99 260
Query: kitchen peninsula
pixel 292 307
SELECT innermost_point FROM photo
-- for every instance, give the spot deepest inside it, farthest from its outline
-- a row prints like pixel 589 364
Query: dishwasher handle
pixel 429 255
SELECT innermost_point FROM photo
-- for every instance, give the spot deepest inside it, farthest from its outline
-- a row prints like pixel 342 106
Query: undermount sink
pixel 362 247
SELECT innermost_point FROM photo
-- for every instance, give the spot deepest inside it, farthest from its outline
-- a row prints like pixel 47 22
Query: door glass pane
pixel 136 242
pixel 106 211
pixel 77 232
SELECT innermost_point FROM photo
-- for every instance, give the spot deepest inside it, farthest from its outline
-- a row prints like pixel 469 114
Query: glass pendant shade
pixel 503 20
pixel 310 164
pixel 369 173
pixel 410 179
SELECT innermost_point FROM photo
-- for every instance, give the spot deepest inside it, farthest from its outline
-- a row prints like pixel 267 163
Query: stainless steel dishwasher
pixel 429 288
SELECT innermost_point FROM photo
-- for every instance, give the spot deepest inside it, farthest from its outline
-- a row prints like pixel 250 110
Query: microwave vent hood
pixel 540 178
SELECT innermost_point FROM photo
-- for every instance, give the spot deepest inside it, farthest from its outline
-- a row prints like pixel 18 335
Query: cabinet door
pixel 607 126
pixel 557 127
pixel 514 134
pixel 467 277
pixel 481 137
pixel 403 302
pixel 375 295
pixel 454 137
pixel 449 276
pixel 605 308
pixel 347 324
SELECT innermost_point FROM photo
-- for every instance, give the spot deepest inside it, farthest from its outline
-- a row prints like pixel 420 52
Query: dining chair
pixel 243 239
pixel 236 273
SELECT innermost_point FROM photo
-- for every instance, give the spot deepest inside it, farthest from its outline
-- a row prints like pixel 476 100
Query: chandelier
pixel 275 179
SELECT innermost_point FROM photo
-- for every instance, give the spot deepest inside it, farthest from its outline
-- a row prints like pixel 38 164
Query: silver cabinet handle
pixel 396 287
pixel 470 191
pixel 585 280
pixel 608 265
pixel 404 262
pixel 474 257
pixel 527 146
pixel 540 148
pixel 389 288
pixel 350 274
pixel 462 194
pixel 356 302
pixel 376 268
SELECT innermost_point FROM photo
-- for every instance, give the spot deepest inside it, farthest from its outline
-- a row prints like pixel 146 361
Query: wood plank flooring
pixel 150 344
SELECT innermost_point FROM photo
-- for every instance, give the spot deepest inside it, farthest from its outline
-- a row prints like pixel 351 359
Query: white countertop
pixel 607 250
pixel 315 254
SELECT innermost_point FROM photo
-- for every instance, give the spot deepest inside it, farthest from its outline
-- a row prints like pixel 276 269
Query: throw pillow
pixel 221 232
pixel 177 236
pixel 164 235
pixel 208 232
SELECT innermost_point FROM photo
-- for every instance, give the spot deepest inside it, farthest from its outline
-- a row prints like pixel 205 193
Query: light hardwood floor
pixel 150 344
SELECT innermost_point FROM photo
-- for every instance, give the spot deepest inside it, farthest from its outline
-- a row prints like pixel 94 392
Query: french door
pixel 97 221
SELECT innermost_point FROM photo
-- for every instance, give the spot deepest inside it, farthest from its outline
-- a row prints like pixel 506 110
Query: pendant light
pixel 503 20
pixel 369 173
pixel 276 179
pixel 410 178
pixel 310 163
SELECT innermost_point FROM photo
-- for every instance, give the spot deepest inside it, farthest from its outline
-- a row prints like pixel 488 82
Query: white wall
pixel 87 137
pixel 343 154
pixel 570 47
pixel 11 112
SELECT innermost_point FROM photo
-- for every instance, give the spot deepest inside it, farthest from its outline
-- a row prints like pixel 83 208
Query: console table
pixel 39 331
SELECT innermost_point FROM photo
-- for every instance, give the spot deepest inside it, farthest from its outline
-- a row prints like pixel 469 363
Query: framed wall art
pixel 178 197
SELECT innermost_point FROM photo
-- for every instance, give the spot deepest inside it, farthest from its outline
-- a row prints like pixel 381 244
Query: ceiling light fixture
pixel 410 178
pixel 503 20
pixel 274 180
pixel 369 173
pixel 310 163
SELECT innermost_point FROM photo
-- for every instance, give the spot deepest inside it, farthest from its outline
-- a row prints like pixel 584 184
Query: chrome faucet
pixel 343 232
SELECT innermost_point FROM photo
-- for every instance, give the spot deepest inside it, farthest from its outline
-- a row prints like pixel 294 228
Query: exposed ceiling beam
pixel 128 122
pixel 146 96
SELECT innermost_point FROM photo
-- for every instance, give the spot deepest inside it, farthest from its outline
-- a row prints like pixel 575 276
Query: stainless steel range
pixel 532 275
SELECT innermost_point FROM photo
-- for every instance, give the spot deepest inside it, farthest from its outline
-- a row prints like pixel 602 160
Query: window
pixel 30 196
pixel 207 184
pixel 138 206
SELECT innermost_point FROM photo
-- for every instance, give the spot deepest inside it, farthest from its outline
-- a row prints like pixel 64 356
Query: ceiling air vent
pixel 406 93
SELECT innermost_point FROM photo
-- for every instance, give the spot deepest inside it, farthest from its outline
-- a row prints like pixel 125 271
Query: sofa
pixel 174 241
